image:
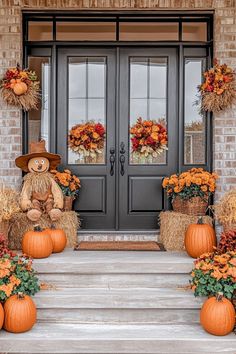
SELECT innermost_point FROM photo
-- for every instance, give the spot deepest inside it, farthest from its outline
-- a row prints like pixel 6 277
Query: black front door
pixel 112 88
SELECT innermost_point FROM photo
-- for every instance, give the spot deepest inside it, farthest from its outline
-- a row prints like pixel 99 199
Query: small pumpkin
pixel 20 88
pixel 199 238
pixel 37 243
pixel 1 316
pixel 59 239
pixel 217 315
pixel 20 313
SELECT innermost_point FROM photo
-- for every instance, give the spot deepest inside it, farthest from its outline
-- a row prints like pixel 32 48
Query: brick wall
pixel 225 50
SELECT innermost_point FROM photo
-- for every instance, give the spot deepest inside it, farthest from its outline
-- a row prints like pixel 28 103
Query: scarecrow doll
pixel 40 193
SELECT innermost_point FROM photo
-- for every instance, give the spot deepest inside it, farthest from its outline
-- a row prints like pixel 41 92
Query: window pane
pixel 138 74
pixel 147 80
pixel 77 78
pixel 40 31
pixel 194 121
pixel 150 31
pixel 96 77
pixel 38 120
pixel 158 75
pixel 86 31
pixel 194 31
pixel 86 104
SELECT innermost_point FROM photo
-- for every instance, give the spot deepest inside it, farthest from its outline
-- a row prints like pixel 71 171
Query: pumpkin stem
pixel 20 295
pixel 53 227
pixel 37 228
pixel 200 221
pixel 219 296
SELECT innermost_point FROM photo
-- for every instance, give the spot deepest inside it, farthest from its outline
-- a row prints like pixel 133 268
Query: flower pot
pixel 194 206
pixel 68 203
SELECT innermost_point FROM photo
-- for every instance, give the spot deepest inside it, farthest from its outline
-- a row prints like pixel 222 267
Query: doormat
pixel 119 246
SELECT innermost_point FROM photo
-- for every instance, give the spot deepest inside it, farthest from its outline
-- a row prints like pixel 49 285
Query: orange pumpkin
pixel 217 315
pixel 37 243
pixel 199 238
pixel 20 88
pixel 20 313
pixel 1 316
pixel 59 239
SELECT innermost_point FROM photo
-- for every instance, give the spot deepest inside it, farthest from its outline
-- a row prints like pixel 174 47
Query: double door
pixel 102 92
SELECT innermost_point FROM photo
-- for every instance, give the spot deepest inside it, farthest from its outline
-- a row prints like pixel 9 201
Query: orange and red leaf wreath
pixel 20 88
pixel 218 89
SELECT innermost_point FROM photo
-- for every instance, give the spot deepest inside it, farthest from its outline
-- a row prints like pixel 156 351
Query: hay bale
pixel 173 227
pixel 19 224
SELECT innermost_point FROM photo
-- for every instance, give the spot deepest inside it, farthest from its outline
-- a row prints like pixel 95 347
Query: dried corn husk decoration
pixel 26 95
pixel 218 89
pixel 9 204
pixel 225 210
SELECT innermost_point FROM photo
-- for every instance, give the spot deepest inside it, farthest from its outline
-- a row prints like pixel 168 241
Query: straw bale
pixel 173 227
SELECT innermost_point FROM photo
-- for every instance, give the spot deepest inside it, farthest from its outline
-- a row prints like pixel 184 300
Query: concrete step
pixel 135 305
pixel 117 339
pixel 115 262
pixel 115 280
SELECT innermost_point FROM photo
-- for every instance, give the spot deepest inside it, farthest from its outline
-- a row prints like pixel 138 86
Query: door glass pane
pixel 40 31
pixel 86 31
pixel 147 102
pixel 38 120
pixel 86 110
pixel 194 121
pixel 194 31
pixel 148 31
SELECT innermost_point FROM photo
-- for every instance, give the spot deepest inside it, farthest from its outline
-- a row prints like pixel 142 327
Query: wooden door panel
pixel 148 89
pixel 87 93
pixel 141 192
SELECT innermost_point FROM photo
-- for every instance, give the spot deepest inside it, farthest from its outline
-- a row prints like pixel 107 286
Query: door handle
pixel 112 160
pixel 122 159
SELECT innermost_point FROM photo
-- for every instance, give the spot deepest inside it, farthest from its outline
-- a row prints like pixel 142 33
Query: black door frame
pixel 50 48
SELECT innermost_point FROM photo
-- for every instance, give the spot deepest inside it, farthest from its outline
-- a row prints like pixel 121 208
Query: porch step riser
pixel 122 316
pixel 119 237
pixel 115 280
pixel 122 346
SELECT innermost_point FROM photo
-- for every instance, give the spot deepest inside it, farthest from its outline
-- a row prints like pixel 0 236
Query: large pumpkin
pixel 37 243
pixel 199 238
pixel 20 88
pixel 59 239
pixel 1 316
pixel 20 313
pixel 217 315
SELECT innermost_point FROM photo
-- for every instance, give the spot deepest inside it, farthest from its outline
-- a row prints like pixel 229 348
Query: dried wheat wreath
pixel 20 88
pixel 218 89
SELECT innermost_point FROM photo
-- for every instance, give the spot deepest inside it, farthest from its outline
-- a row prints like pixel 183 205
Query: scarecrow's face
pixel 38 164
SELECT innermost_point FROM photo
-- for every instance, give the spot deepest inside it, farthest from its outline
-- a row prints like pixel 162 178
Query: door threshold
pixel 121 232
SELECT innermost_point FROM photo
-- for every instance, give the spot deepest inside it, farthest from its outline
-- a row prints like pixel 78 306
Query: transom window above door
pixel 118 28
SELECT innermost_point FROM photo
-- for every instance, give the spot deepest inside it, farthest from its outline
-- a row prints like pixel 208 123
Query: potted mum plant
pixel 17 281
pixel 16 273
pixel 190 191
pixel 70 186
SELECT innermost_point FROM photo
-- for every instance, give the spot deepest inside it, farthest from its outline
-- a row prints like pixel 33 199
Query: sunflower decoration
pixel 20 88
pixel 148 138
pixel 87 139
pixel 218 89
